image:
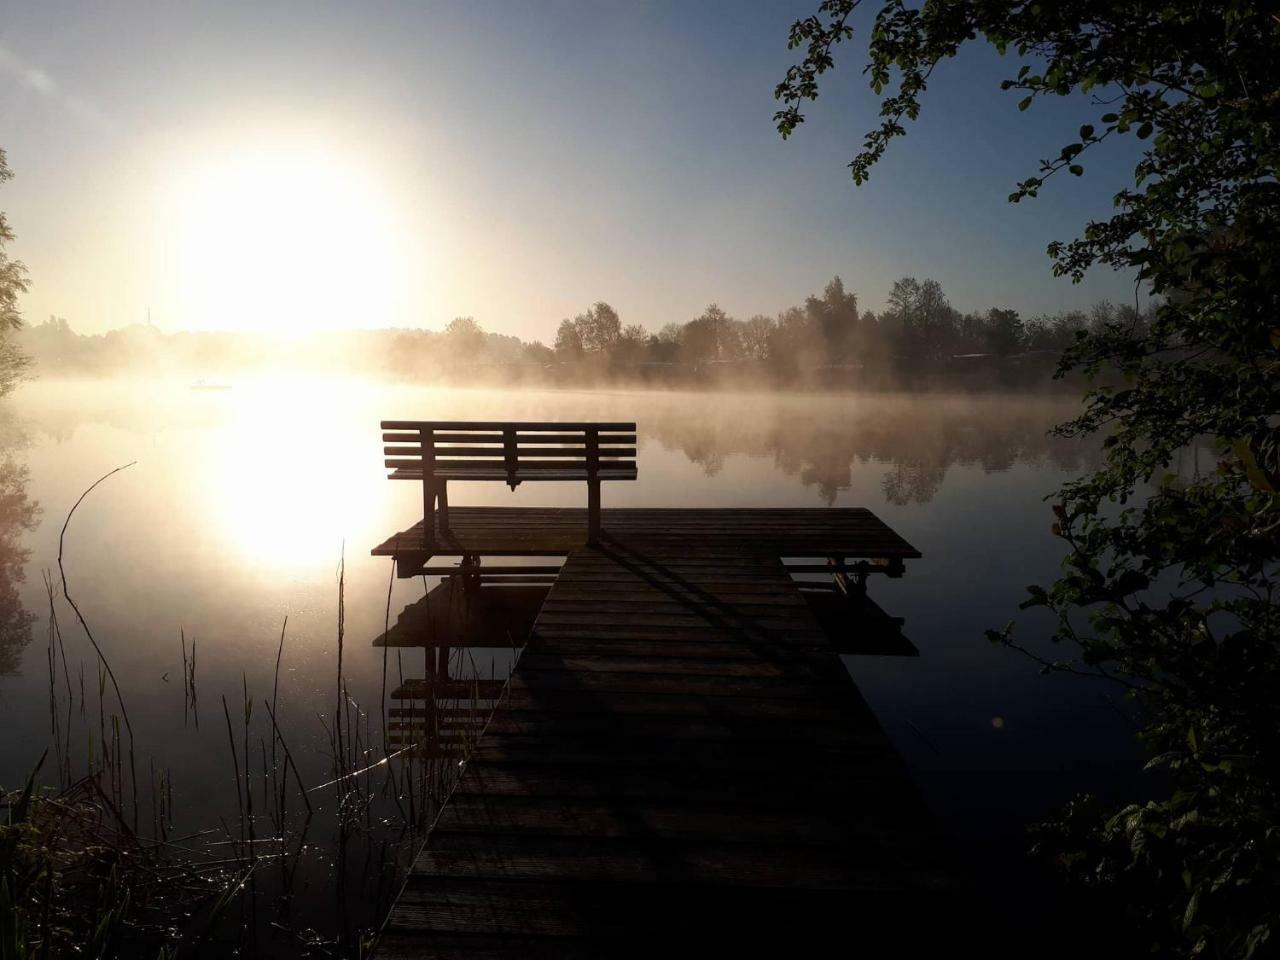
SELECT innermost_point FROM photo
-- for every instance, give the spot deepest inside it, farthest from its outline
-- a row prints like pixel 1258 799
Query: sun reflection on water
pixel 284 494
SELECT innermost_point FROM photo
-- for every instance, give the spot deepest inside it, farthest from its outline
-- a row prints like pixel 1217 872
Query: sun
pixel 285 239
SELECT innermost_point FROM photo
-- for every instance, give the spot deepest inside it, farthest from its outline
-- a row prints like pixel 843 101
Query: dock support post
pixel 427 441
pixel 593 512
pixel 593 486
pixel 442 495
pixel 428 514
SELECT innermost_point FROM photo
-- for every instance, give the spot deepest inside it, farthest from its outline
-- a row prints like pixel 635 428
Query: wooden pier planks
pixel 554 531
pixel 680 760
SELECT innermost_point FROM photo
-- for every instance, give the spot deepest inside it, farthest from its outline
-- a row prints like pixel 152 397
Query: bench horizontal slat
pixel 532 465
pixel 522 453
pixel 472 473
pixel 416 437
pixel 394 464
pixel 606 439
pixel 541 427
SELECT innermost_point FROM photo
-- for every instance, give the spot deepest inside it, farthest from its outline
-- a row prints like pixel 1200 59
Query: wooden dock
pixel 680 760
pixel 851 532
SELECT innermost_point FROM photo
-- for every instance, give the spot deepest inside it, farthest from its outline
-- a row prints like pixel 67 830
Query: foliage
pixel 463 337
pixel 13 283
pixel 1168 583
pixel 595 332
pixel 75 881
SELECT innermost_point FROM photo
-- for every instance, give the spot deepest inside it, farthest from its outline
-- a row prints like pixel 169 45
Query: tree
pixel 13 283
pixel 464 338
pixel 1002 331
pixel 568 340
pixel 835 314
pixel 537 353
pixel 629 349
pixel 922 318
pixel 1198 86
pixel 756 334
pixel 937 320
pixel 712 336
pixel 599 328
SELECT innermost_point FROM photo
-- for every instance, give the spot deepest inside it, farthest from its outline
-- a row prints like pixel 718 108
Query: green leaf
pixel 1038 598
pixel 1086 132
pixel 1193 907
pixel 1144 131
pixel 1025 102
pixel 1076 169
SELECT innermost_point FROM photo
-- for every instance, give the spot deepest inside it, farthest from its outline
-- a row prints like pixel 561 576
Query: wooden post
pixel 593 512
pixel 509 456
pixel 593 486
pixel 426 437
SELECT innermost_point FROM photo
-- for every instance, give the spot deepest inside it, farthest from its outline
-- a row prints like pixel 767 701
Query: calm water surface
pixel 242 503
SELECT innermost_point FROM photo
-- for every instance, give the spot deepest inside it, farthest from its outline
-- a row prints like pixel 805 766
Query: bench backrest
pixel 511 451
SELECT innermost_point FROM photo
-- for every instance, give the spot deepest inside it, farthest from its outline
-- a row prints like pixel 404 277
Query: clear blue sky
pixel 513 161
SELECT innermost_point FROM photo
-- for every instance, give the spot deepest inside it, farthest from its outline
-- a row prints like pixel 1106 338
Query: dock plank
pixel 679 758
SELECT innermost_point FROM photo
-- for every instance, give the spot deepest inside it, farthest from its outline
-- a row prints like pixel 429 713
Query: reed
pixel 235 761
pixel 337 714
pixel 77 880
pixel 102 659
pixel 275 685
pixel 220 891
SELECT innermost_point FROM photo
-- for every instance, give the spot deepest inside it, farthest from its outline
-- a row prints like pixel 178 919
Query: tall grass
pixel 81 874
pixel 133 889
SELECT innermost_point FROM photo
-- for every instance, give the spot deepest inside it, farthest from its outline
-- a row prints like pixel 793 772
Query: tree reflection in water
pixel 18 515
pixel 919 437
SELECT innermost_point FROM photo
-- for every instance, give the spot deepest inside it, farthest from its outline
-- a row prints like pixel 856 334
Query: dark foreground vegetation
pixel 101 857
pixel 1170 595
pixel 919 339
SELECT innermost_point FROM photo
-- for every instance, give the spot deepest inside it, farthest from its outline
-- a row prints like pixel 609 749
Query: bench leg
pixel 442 494
pixel 428 514
pixel 593 512
pixel 433 493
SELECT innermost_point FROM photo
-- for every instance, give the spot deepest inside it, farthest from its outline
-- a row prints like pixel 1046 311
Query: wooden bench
pixel 437 451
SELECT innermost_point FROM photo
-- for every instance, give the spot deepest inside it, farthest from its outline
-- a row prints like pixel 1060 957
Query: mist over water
pixel 243 501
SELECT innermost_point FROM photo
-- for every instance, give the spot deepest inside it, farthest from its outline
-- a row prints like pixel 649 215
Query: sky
pixel 291 166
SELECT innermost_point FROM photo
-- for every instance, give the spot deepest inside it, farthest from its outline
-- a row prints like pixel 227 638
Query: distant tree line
pixel 918 337
pixel 918 333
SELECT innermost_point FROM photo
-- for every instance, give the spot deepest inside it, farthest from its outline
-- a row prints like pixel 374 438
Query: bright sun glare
pixel 285 240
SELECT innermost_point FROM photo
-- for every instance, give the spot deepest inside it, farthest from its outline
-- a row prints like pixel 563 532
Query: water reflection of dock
pixel 679 758
pixel 440 714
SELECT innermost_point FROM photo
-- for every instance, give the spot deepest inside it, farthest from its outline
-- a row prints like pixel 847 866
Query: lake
pixel 241 504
